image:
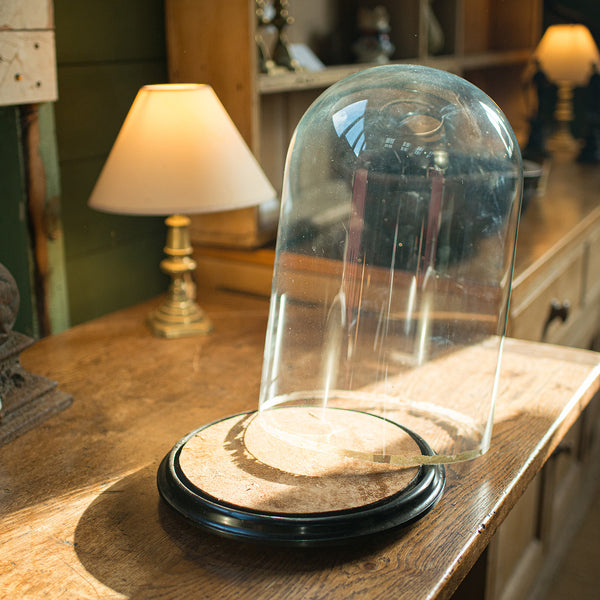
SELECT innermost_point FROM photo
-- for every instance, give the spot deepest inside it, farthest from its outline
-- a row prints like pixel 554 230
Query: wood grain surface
pixel 81 516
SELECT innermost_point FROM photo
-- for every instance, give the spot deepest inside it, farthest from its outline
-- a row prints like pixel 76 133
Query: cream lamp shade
pixel 178 152
pixel 567 54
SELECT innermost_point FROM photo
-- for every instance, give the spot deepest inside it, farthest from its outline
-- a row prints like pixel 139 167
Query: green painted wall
pixel 14 235
pixel 58 305
pixel 106 50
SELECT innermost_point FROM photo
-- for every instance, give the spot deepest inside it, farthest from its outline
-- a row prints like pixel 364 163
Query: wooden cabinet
pixel 528 547
pixel 556 288
pixel 211 42
pixel 556 299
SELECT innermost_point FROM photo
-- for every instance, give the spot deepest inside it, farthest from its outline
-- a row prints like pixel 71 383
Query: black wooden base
pixel 292 529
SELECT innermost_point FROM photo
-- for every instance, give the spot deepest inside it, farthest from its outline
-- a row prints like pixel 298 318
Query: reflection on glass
pixel 393 268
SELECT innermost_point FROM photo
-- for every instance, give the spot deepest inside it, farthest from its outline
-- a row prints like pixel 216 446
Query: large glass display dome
pixel 393 268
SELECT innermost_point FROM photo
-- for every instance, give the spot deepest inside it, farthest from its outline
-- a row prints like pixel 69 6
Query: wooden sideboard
pixel 81 516
pixel 558 258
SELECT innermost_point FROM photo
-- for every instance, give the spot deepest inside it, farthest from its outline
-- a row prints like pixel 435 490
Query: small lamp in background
pixel 567 55
pixel 179 153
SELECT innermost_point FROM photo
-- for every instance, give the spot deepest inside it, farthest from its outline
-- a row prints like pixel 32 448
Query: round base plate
pixel 232 478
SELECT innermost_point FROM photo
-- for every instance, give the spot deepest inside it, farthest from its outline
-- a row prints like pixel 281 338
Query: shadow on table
pixel 132 542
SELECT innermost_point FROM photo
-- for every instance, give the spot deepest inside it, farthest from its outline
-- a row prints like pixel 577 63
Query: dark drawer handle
pixel 563 448
pixel 558 310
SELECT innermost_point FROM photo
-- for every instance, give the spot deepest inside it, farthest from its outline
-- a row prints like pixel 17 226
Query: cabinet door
pixel 562 483
pixel 515 553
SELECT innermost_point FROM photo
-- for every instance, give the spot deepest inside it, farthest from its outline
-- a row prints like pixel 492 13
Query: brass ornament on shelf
pixel 264 15
pixel 274 14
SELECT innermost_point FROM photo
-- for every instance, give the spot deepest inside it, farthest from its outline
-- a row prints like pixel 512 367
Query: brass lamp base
pixel 179 315
pixel 178 321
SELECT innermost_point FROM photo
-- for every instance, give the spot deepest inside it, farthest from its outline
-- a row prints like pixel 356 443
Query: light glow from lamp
pixel 567 53
pixel 178 153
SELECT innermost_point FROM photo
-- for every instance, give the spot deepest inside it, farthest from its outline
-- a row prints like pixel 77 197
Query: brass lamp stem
pixel 179 315
pixel 563 139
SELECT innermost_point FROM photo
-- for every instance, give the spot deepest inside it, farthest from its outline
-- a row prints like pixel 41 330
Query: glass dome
pixel 393 267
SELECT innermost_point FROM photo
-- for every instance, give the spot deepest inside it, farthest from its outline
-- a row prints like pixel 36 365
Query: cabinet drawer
pixel 531 311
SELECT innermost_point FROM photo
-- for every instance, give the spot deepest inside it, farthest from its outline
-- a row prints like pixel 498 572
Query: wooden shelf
pixel 312 80
pixel 494 59
pixel 486 42
pixel 294 81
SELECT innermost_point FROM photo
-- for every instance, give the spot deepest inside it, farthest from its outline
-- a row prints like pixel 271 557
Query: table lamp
pixel 179 153
pixel 566 55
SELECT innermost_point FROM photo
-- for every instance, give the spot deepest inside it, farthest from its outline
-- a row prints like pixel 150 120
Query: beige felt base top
pixel 235 460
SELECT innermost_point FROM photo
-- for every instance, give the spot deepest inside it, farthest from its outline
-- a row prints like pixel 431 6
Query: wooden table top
pixel 79 508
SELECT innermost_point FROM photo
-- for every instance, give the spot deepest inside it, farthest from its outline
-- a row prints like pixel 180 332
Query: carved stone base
pixel 26 399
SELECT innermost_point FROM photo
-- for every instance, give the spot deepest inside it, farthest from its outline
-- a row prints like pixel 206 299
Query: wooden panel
pixel 91 231
pixel 27 52
pixel 515 24
pixel 246 228
pixel 477 17
pixel 213 42
pixel 109 30
pixel 26 14
pixel 506 25
pixel 273 137
pixel 562 476
pixel 53 231
pixel 119 276
pixel 557 227
pixel 215 271
pixel 590 434
pixel 515 552
pixel 280 114
pixel 107 51
pixel 592 275
pixel 27 67
pixel 95 99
